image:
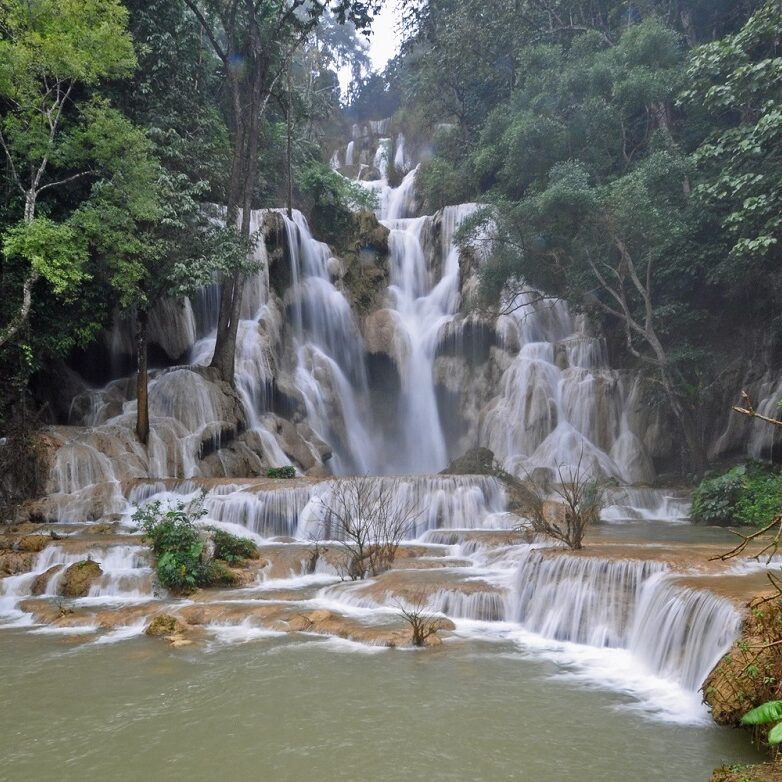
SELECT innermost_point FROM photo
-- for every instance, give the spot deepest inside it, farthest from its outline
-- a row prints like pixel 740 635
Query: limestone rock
pixel 42 581
pixel 79 577
pixel 164 625
pixel 476 461
pixel 14 563
pixel 751 671
pixel 34 543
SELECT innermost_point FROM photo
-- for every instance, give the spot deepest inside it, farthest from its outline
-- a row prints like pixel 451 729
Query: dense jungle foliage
pixel 627 153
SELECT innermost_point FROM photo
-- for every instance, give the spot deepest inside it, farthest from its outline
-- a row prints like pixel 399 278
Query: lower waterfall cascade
pixel 468 561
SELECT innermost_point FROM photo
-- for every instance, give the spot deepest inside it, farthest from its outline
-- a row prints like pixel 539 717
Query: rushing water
pixel 285 710
pixel 561 667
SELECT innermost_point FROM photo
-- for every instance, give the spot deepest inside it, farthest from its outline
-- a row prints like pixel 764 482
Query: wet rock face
pixel 79 577
pixel 476 461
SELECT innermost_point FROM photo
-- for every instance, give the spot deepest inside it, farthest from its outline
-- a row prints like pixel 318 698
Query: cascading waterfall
pixel 677 633
pixel 431 502
pixel 330 372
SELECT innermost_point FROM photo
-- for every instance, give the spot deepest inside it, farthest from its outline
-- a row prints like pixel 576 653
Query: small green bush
pixel 176 544
pixel 232 549
pixel 289 471
pixel 178 547
pixel 747 494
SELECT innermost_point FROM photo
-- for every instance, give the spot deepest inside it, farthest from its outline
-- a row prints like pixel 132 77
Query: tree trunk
pixel 142 378
pixel 244 166
pixel 288 121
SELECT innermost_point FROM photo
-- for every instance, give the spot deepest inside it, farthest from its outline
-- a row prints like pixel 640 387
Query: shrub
pixel 714 500
pixel 231 548
pixel 746 494
pixel 332 198
pixel 289 471
pixel 179 546
pixel 176 544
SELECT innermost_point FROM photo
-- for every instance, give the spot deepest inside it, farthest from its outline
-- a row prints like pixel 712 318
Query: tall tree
pixel 51 51
pixel 254 41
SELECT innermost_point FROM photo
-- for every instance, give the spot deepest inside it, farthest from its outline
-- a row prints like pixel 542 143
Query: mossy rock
pixel 476 461
pixel 163 625
pixel 765 772
pixel 79 577
pixel 481 461
pixel 220 574
pixel 33 543
pixel 365 259
pixel 367 232
pixel 751 671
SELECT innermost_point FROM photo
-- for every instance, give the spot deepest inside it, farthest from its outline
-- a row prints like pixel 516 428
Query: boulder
pixel 42 581
pixel 34 543
pixel 14 563
pixel 79 577
pixel 164 625
pixel 294 445
pixel 476 461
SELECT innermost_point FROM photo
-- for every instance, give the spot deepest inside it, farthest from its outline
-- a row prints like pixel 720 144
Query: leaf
pixel 766 712
pixel 775 734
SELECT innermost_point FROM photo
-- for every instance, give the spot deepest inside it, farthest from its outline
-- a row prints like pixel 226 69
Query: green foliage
pixel 176 543
pixel 231 548
pixel 55 250
pixel 746 494
pixel 288 471
pixel 736 83
pixel 770 711
pixel 332 198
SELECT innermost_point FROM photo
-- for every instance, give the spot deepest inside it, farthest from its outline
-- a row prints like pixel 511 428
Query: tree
pixel 593 204
pixel 735 85
pixel 580 498
pixel 370 518
pixel 770 545
pixel 254 41
pixel 423 623
pixel 50 52
pixel 169 256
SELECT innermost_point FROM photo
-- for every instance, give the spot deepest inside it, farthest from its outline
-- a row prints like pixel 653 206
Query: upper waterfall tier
pixel 372 362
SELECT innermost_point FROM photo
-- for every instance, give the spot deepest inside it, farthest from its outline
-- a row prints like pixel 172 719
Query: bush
pixel 289 471
pixel 176 544
pixel 331 198
pixel 747 494
pixel 179 546
pixel 232 549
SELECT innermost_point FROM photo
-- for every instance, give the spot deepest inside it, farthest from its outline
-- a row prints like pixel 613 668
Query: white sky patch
pixel 383 44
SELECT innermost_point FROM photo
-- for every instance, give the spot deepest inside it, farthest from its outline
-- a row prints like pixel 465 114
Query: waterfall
pixel 330 372
pixel 431 502
pixel 677 633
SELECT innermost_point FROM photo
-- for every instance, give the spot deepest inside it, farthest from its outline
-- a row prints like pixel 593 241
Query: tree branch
pixel 10 331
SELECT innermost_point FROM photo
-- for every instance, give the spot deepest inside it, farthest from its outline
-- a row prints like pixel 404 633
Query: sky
pixel 383 44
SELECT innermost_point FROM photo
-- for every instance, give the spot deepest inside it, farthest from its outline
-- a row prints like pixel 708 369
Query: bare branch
pixel 11 163
pixel 749 410
pixel 206 27
pixel 64 181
